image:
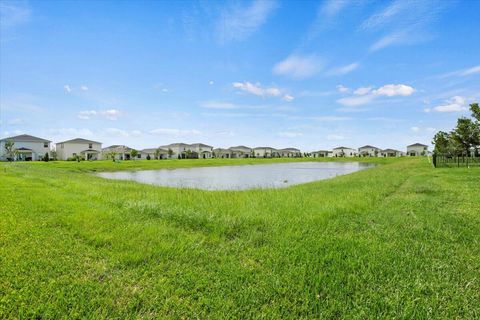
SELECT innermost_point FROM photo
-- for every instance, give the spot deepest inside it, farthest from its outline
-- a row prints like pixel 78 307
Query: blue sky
pixel 309 74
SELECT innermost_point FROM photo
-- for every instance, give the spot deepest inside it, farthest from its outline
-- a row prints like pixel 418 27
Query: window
pixel 139 156
pixel 45 144
pixel 90 146
pixel 74 154
pixel 61 146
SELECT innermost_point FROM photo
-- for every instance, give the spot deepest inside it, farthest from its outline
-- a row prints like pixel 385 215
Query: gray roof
pixel 152 150
pixel 391 150
pixel 417 145
pixel 118 148
pixel 25 138
pixel 290 149
pixel 176 145
pixel 240 147
pixel 79 140
pixel 327 151
pixel 264 148
pixel 201 145
pixel 342 148
pixel 369 147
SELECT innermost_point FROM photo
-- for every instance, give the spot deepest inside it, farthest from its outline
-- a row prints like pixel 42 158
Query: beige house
pixel 344 152
pixel 417 149
pixel 222 153
pixel 369 151
pixel 121 152
pixel 26 148
pixel 85 149
pixel 178 150
pixel 202 151
pixel 391 153
pixel 265 152
pixel 289 153
pixel 153 153
pixel 241 152
pixel 321 154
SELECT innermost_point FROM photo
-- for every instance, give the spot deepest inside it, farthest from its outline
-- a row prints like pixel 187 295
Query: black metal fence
pixel 451 161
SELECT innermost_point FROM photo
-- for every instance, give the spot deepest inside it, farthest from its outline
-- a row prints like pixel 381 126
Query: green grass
pixel 397 241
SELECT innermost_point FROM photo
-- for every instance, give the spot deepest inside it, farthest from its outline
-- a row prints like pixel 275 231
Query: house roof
pixel 25 138
pixel 90 150
pixel 290 149
pixel 327 151
pixel 201 145
pixel 369 147
pixel 264 148
pixel 390 150
pixel 221 150
pixel 24 149
pixel 118 148
pixel 79 140
pixel 240 147
pixel 337 148
pixel 180 144
pixel 417 145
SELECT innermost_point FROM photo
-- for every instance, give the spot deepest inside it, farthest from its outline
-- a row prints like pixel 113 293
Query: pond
pixel 278 175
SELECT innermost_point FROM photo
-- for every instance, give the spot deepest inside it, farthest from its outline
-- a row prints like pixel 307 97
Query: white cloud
pixel 298 67
pixel 67 88
pixel 84 88
pixel 455 104
pixel 13 14
pixel 288 98
pixel 287 134
pixel 116 132
pixel 72 132
pixel 463 73
pixel 331 8
pixel 258 90
pixel 175 132
pixel 211 82
pixel 362 91
pixel 394 38
pixel 238 23
pixel 391 90
pixel 356 100
pixel 110 114
pixel 364 95
pixel 344 69
pixel 342 89
pixel 218 105
pixel 86 115
pixel 415 129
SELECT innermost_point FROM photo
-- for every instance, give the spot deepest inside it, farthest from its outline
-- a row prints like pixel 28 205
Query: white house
pixel 202 151
pixel 222 153
pixel 241 152
pixel 265 152
pixel 153 153
pixel 321 154
pixel 289 153
pixel 178 150
pixel 27 147
pixel 121 152
pixel 86 149
pixel 391 153
pixel 417 149
pixel 344 152
pixel 369 151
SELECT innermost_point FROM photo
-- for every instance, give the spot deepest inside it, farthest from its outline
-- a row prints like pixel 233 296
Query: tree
pixel 475 108
pixel 111 155
pixel 46 157
pixel 133 153
pixel 11 150
pixel 440 140
pixel 54 155
pixel 157 153
pixel 170 152
pixel 465 134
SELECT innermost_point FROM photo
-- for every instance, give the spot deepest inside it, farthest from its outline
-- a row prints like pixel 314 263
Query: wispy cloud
pixel 110 114
pixel 14 13
pixel 403 22
pixel 455 104
pixel 239 22
pixel 462 72
pixel 327 11
pixel 67 88
pixel 258 90
pixel 365 95
pixel 222 105
pixel 343 69
pixel 115 132
pixel 289 134
pixel 298 66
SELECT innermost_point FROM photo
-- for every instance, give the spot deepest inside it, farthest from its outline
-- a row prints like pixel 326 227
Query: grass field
pixel 401 240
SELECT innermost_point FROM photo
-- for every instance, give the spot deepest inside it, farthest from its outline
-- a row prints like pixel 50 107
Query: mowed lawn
pixel 401 240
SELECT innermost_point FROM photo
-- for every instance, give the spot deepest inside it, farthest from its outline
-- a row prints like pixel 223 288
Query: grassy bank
pixel 400 240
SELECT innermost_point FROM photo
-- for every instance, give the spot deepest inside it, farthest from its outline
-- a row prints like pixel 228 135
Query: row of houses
pixel 414 150
pixel 27 147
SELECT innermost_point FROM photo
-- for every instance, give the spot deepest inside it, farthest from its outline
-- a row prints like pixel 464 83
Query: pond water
pixel 278 175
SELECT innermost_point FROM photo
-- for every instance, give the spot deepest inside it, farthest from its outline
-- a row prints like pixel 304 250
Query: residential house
pixel 121 152
pixel 85 149
pixel 153 153
pixel 241 152
pixel 222 153
pixel 177 150
pixel 321 154
pixel 27 148
pixel 202 151
pixel 290 153
pixel 369 151
pixel 265 152
pixel 391 153
pixel 344 152
pixel 417 149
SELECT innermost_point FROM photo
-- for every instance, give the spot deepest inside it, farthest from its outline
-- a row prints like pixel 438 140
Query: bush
pixel 148 157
